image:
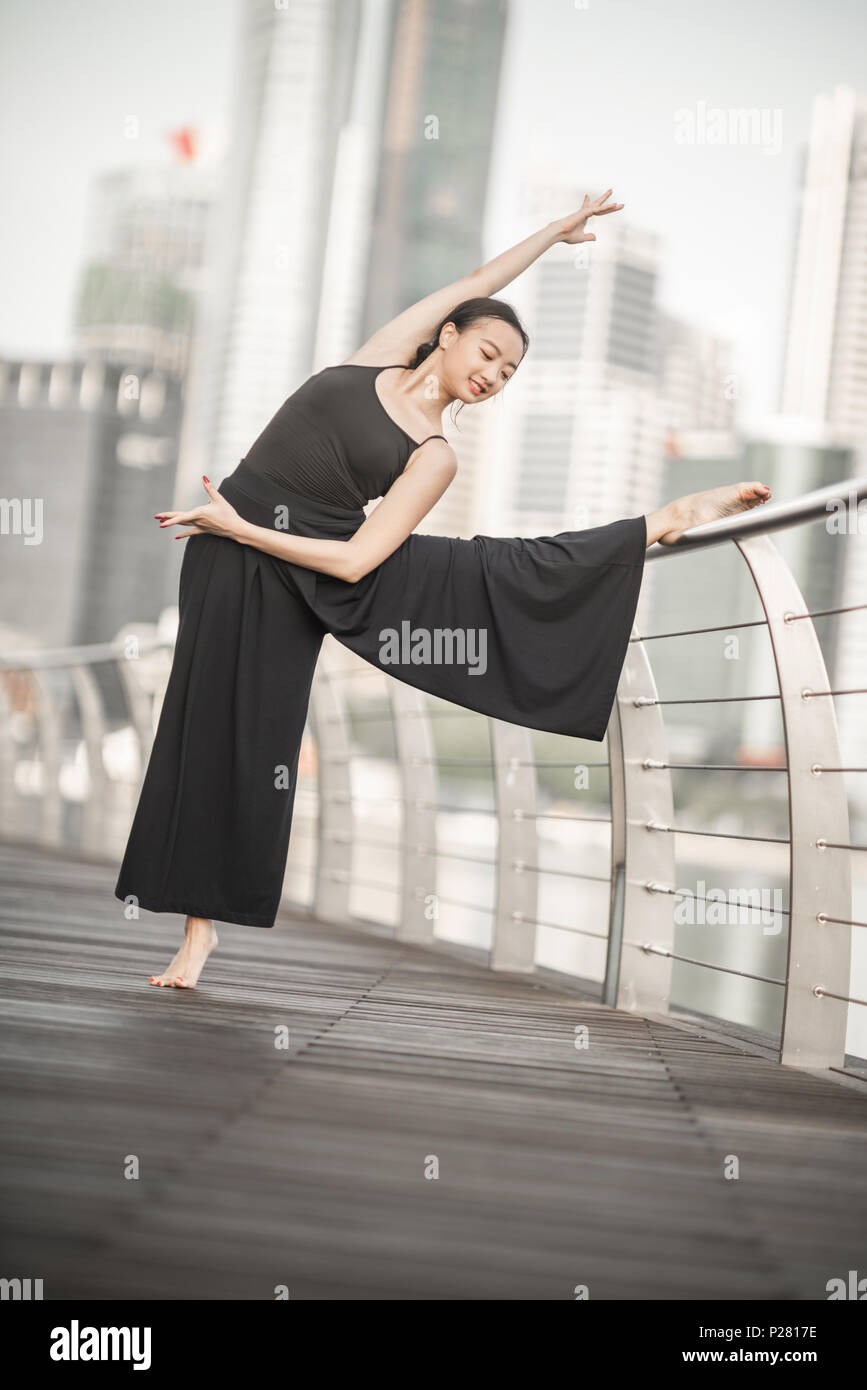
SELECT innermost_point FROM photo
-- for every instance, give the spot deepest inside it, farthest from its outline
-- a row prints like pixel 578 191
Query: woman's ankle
pixel 665 519
pixel 193 922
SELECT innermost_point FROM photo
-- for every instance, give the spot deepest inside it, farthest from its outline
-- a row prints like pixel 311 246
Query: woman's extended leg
pixel 669 523
pixel 533 630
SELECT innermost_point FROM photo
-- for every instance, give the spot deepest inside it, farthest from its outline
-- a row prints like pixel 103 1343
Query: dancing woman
pixel 532 630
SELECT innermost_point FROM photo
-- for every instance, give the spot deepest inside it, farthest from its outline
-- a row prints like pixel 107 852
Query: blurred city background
pixel 207 203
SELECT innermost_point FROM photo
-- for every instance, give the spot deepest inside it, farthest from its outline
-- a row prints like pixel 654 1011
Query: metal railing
pixel 816 982
pixel 55 708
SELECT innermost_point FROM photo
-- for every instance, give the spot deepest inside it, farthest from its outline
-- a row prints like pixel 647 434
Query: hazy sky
pixel 588 94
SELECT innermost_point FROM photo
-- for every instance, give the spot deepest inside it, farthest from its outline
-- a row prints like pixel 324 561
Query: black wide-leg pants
pixel 532 630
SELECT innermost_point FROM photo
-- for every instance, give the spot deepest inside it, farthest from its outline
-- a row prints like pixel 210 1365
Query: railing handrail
pixel 763 519
pixel 77 656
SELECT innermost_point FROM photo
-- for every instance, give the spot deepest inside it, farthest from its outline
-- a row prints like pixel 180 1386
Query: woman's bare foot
pixel 186 965
pixel 699 507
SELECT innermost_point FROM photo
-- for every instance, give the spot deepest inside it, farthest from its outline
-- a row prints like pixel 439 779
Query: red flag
pixel 184 141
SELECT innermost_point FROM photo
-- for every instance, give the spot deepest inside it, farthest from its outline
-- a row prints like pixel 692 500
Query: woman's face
pixel 479 361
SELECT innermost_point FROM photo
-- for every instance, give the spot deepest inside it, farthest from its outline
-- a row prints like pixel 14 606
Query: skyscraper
pixel 586 443
pixel 824 380
pixel 355 185
pixel 89 451
pixel 266 256
pixel 143 266
pixel 825 366
pixel 438 124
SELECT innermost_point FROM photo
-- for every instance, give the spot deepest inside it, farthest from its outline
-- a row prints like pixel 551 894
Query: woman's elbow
pixel 353 566
pixel 358 563
pixel 356 570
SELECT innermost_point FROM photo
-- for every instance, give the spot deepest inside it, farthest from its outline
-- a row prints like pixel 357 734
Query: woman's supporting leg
pixel 211 830
pixel 669 523
pixel 185 967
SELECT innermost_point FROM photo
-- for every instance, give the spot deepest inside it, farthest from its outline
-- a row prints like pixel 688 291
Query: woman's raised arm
pixel 399 339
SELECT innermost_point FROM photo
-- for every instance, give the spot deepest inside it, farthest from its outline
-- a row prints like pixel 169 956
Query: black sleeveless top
pixel 334 440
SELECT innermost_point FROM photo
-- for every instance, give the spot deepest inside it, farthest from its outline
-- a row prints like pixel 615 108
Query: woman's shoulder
pixel 382 349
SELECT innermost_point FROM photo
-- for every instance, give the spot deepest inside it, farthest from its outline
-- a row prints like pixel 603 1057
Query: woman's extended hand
pixel 217 518
pixel 571 229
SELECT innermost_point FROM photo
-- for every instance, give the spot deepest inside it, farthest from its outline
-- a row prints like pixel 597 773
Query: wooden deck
pixel 306 1167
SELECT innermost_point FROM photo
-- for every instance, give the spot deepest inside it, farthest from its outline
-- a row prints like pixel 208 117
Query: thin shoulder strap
pixel 433 436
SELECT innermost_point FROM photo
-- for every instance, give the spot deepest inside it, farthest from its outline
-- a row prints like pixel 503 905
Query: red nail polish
pixel 207 480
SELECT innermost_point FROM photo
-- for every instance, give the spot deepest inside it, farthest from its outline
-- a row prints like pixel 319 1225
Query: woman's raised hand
pixel 217 517
pixel 571 229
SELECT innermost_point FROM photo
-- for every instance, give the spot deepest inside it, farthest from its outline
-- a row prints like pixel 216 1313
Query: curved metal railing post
pixel 617 891
pixel 143 711
pixel 820 881
pixel 49 728
pixel 415 750
pixel 641 932
pixel 513 946
pixel 9 798
pixel 94 811
pixel 334 844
